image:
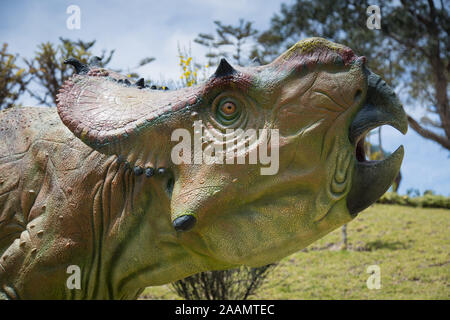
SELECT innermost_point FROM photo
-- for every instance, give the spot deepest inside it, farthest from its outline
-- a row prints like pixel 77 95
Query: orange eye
pixel 228 108
pixel 228 111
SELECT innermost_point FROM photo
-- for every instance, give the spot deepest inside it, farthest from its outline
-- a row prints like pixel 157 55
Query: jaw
pixel 371 179
pixel 264 232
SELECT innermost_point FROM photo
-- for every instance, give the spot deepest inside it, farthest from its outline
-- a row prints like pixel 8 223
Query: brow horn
pixel 224 69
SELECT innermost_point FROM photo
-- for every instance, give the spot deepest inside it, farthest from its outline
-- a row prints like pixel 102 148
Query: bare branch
pixel 443 141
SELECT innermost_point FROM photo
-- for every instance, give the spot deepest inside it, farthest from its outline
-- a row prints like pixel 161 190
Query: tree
pixel 48 70
pixel 13 79
pixel 411 51
pixel 227 35
pixel 209 41
pixel 428 41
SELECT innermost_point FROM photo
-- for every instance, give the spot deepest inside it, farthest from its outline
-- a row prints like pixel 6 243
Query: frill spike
pixel 95 62
pixel 80 68
pixel 140 83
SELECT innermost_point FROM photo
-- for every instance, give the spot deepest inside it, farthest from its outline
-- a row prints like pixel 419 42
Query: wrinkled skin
pixel 72 191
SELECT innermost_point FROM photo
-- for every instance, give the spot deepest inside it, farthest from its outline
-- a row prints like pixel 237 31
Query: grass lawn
pixel 410 245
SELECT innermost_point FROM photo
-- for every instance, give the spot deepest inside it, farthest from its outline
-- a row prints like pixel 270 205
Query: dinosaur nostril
pixel 358 95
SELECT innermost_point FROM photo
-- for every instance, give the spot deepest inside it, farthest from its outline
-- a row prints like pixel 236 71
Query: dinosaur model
pixel 92 182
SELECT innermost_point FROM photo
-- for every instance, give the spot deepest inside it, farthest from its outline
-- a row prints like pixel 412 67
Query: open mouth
pixel 360 151
pixel 371 179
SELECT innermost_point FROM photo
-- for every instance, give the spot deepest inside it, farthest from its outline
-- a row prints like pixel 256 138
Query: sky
pixel 138 29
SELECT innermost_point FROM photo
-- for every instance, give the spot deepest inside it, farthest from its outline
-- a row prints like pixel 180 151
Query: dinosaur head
pixel 261 161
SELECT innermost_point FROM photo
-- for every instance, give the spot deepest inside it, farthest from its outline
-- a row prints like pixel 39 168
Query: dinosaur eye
pixel 227 111
pixel 228 108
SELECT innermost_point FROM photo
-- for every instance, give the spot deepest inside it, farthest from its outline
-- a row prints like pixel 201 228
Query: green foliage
pixel 236 36
pixel 48 70
pixel 209 41
pixel 341 21
pixel 191 72
pixel 13 79
pixel 428 200
pixel 145 61
pixel 233 37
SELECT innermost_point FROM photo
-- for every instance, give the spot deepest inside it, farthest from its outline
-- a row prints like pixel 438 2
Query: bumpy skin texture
pixel 92 183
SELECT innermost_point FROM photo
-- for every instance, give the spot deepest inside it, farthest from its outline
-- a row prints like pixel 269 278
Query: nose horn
pixel 184 223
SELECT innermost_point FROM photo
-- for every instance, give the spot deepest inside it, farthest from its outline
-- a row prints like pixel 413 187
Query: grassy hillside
pixel 411 246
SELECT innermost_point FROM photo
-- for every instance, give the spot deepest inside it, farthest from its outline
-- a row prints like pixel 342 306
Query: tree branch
pixel 427 134
pixel 408 44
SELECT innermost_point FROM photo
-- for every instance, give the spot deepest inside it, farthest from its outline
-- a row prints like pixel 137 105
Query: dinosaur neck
pixel 136 245
pixel 117 231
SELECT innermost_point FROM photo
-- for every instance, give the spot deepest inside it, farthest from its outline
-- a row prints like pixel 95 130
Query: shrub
pixel 233 284
pixel 428 200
